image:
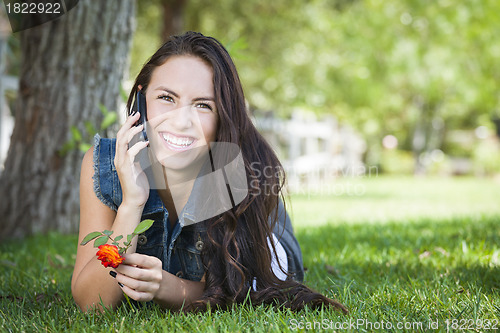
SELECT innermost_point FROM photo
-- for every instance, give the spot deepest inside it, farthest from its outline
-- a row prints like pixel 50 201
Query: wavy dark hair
pixel 237 250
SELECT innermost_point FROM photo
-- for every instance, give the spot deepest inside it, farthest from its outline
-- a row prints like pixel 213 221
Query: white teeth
pixel 181 142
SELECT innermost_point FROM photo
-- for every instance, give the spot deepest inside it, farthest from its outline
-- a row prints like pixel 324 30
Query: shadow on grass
pixel 458 253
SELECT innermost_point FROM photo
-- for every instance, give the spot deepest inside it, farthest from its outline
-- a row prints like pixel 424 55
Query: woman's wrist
pixel 128 212
pixel 175 292
pixel 132 206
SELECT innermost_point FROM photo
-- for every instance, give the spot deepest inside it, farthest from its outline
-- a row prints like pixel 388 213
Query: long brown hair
pixel 237 250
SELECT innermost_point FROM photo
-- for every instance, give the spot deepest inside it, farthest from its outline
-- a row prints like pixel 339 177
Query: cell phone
pixel 143 158
pixel 140 106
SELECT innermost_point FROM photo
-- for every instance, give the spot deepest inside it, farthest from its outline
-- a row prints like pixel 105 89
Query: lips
pixel 177 142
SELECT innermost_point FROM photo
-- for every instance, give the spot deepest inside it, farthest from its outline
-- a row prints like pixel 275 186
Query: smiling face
pixel 181 111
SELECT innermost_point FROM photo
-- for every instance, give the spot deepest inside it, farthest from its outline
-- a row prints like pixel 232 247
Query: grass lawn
pixel 414 254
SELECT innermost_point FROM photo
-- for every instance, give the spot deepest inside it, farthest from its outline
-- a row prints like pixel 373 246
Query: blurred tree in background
pixel 70 68
pixel 156 21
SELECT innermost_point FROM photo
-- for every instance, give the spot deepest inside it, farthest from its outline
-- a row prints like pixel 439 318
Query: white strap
pixel 279 255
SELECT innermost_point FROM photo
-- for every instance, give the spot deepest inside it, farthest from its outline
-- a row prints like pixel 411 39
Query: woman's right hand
pixel 133 180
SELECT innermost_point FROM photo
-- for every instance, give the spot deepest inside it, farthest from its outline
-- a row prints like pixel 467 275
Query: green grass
pixel 385 199
pixel 428 254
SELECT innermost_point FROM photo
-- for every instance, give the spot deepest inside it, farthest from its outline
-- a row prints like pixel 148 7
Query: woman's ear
pixel 139 87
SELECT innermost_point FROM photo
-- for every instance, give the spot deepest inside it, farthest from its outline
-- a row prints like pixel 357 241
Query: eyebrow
pixel 177 95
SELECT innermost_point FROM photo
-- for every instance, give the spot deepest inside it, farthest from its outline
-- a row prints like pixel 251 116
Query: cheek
pixel 154 111
pixel 209 126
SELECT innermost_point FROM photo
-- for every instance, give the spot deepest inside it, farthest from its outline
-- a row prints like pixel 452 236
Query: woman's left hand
pixel 141 276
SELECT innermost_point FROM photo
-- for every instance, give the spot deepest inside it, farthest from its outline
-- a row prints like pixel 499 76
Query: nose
pixel 183 118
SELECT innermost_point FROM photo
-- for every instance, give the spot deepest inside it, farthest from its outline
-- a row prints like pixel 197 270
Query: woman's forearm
pixel 93 283
pixel 95 288
pixel 174 292
pixel 127 219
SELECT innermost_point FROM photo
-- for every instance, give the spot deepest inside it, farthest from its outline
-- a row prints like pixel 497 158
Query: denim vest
pixel 179 247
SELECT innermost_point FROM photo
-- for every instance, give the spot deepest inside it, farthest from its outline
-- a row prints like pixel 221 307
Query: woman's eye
pixel 204 106
pixel 166 98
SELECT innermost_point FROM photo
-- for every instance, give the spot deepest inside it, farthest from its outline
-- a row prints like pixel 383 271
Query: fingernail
pixel 112 273
pixel 120 284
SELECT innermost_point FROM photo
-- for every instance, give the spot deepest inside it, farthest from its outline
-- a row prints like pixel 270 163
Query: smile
pixel 177 142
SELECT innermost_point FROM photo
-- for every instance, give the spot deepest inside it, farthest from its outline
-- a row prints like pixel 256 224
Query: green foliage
pixel 486 158
pixel 397 162
pixel 386 67
pixel 110 117
pixel 101 241
pixel 146 39
pixel 102 237
pixel 89 237
pixel 143 226
pixel 82 141
pixel 107 232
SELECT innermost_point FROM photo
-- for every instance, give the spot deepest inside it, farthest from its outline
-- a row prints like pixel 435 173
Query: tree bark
pixel 427 134
pixel 70 66
pixel 173 13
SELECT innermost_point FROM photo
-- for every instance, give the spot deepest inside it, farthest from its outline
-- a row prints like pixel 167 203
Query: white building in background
pixel 6 83
pixel 6 120
pixel 6 127
pixel 313 151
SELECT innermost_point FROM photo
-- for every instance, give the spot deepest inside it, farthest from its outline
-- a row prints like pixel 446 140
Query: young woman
pixel 190 258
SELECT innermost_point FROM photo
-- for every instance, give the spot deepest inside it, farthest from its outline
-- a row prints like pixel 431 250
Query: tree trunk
pixel 172 17
pixel 70 66
pixel 428 133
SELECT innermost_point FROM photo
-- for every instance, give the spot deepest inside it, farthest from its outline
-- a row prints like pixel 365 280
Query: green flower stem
pixel 121 249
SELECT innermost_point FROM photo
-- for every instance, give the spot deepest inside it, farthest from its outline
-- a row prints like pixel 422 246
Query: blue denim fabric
pixel 182 255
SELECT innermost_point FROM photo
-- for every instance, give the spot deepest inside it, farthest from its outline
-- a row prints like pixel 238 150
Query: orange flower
pixel 109 256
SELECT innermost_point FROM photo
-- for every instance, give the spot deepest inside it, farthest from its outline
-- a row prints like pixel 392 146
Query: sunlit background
pixel 360 97
pixel 385 115
pixel 346 90
pixel 406 86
